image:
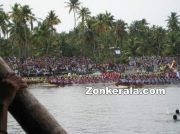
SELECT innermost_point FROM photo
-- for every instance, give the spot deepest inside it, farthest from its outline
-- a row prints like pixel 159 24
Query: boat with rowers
pixel 148 81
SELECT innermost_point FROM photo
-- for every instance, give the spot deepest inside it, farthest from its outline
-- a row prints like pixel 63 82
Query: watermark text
pixel 120 91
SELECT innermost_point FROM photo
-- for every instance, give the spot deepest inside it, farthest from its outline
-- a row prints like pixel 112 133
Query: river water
pixel 108 114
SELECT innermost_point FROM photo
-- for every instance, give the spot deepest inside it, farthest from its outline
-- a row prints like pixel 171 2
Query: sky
pixel 154 11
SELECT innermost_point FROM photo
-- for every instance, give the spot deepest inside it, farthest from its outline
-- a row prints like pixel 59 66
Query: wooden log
pixel 29 113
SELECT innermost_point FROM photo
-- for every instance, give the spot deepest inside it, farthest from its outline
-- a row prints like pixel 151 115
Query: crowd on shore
pixel 166 77
pixel 49 65
pixel 81 70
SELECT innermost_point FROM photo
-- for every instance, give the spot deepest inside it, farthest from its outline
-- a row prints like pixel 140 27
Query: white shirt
pixel 177 74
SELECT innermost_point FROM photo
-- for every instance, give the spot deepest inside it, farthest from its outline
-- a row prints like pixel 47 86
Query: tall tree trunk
pixel 23 50
pixel 47 48
pixel 48 43
pixel 83 23
pixel 74 18
pixel 158 49
pixel 26 48
pixel 121 45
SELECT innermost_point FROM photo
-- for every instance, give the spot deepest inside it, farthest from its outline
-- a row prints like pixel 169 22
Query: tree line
pixel 22 34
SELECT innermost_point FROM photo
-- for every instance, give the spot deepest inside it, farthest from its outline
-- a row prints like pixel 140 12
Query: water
pixel 111 114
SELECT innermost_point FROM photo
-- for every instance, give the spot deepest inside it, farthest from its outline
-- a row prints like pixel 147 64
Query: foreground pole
pixel 29 113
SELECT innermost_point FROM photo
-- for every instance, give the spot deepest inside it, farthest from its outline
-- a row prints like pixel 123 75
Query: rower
pixel 177 111
pixel 175 118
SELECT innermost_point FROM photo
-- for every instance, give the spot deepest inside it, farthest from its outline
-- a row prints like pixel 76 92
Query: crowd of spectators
pixel 149 64
pixel 80 65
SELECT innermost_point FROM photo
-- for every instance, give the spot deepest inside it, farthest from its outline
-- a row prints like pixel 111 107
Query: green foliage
pixel 92 37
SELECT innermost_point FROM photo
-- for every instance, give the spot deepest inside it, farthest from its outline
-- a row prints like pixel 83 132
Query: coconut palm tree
pixel 21 16
pixel 109 18
pixel 28 18
pixel 120 31
pixel 103 22
pixel 73 5
pixel 41 35
pixel 173 22
pixel 1 9
pixel 159 35
pixel 132 46
pixel 16 28
pixel 4 21
pixel 50 21
pixel 139 29
pixel 15 14
pixel 84 15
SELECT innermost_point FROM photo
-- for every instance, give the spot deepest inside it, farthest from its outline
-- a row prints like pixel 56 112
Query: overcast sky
pixel 154 11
